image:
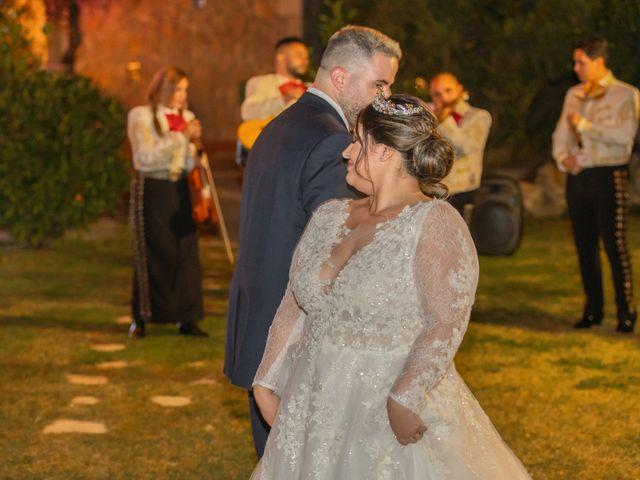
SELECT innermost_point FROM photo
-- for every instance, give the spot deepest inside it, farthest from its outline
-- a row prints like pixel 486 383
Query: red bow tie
pixel 289 85
pixel 457 117
pixel 176 122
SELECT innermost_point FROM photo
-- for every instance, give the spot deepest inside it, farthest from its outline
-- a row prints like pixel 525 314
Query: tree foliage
pixel 335 18
pixel 514 56
pixel 60 165
pixel 15 51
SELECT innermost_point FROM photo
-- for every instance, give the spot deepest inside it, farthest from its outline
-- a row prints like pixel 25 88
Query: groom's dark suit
pixel 295 165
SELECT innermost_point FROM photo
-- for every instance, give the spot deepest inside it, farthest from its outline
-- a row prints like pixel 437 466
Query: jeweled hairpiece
pixel 382 105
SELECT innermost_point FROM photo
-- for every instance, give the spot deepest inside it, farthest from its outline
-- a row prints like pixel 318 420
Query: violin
pixel 200 185
pixel 201 202
pixel 205 204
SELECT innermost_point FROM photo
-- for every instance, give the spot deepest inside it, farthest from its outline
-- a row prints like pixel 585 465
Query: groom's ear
pixel 338 78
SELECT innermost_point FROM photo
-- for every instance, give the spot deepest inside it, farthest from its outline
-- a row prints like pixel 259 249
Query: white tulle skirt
pixel 332 424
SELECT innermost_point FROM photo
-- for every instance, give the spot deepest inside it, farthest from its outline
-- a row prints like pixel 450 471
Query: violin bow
pixel 216 203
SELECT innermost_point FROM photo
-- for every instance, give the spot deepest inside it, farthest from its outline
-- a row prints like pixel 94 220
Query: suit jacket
pixel 295 164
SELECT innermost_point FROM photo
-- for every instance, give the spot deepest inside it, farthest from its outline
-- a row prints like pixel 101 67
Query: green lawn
pixel 565 402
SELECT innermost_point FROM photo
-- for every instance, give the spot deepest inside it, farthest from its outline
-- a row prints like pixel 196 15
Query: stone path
pixel 197 364
pixel 65 425
pixel 107 347
pixel 116 364
pixel 205 381
pixel 84 400
pixel 87 379
pixel 75 426
pixel 171 401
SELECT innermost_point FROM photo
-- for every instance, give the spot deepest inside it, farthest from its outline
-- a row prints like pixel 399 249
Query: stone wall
pixel 219 45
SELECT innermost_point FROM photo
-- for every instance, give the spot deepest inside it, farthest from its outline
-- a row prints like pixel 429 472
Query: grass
pixel 56 303
pixel 564 401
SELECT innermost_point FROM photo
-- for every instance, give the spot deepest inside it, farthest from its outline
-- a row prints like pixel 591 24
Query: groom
pixel 295 165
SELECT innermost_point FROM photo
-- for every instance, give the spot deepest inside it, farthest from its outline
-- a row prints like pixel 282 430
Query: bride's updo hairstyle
pixel 406 124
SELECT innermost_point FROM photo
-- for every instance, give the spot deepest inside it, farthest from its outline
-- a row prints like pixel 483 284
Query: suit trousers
pixel 598 202
pixel 259 427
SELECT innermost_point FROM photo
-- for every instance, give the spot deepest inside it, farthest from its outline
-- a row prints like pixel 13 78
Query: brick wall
pixel 219 46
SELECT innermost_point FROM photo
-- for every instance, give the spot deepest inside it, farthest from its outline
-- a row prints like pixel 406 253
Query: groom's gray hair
pixel 353 46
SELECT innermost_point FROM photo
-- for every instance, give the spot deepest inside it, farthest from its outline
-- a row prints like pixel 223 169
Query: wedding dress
pixel 356 328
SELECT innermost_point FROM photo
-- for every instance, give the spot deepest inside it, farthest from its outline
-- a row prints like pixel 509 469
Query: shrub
pixel 61 137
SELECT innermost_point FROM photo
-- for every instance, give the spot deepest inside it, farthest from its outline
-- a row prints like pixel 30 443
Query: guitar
pixel 249 130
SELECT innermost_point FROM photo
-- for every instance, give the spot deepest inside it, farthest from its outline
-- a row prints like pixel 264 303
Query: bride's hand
pixel 406 425
pixel 267 401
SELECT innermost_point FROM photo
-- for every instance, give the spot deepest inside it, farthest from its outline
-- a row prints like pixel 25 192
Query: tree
pixel 60 165
pixel 514 56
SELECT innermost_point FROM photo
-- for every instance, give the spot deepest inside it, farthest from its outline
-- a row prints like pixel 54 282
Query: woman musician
pixel 167 280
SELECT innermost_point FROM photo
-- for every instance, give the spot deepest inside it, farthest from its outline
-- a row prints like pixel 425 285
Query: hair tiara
pixel 387 107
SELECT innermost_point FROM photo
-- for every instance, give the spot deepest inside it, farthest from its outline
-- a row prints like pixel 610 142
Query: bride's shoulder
pixel 441 212
pixel 327 216
pixel 437 206
pixel 332 206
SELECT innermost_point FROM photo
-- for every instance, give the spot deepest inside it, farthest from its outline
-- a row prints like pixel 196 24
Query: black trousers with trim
pixel 167 285
pixel 598 203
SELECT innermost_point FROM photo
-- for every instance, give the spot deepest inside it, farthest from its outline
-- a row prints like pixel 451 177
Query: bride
pixel 357 378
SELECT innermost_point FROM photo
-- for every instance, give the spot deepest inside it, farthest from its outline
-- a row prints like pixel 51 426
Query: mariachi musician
pixel 268 95
pixel 592 143
pixel 467 129
pixel 167 283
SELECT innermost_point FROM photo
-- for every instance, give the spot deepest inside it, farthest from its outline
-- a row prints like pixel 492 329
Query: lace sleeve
pixel 286 328
pixel 446 271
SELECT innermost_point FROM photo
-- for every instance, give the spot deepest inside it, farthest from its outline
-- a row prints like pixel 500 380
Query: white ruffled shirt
pixel 607 127
pixel 468 139
pixel 161 156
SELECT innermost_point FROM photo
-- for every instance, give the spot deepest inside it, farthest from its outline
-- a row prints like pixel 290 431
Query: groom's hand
pixel 267 401
pixel 406 425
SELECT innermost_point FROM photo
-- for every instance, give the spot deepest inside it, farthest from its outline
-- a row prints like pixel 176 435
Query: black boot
pixel 588 321
pixel 136 329
pixel 191 329
pixel 626 322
